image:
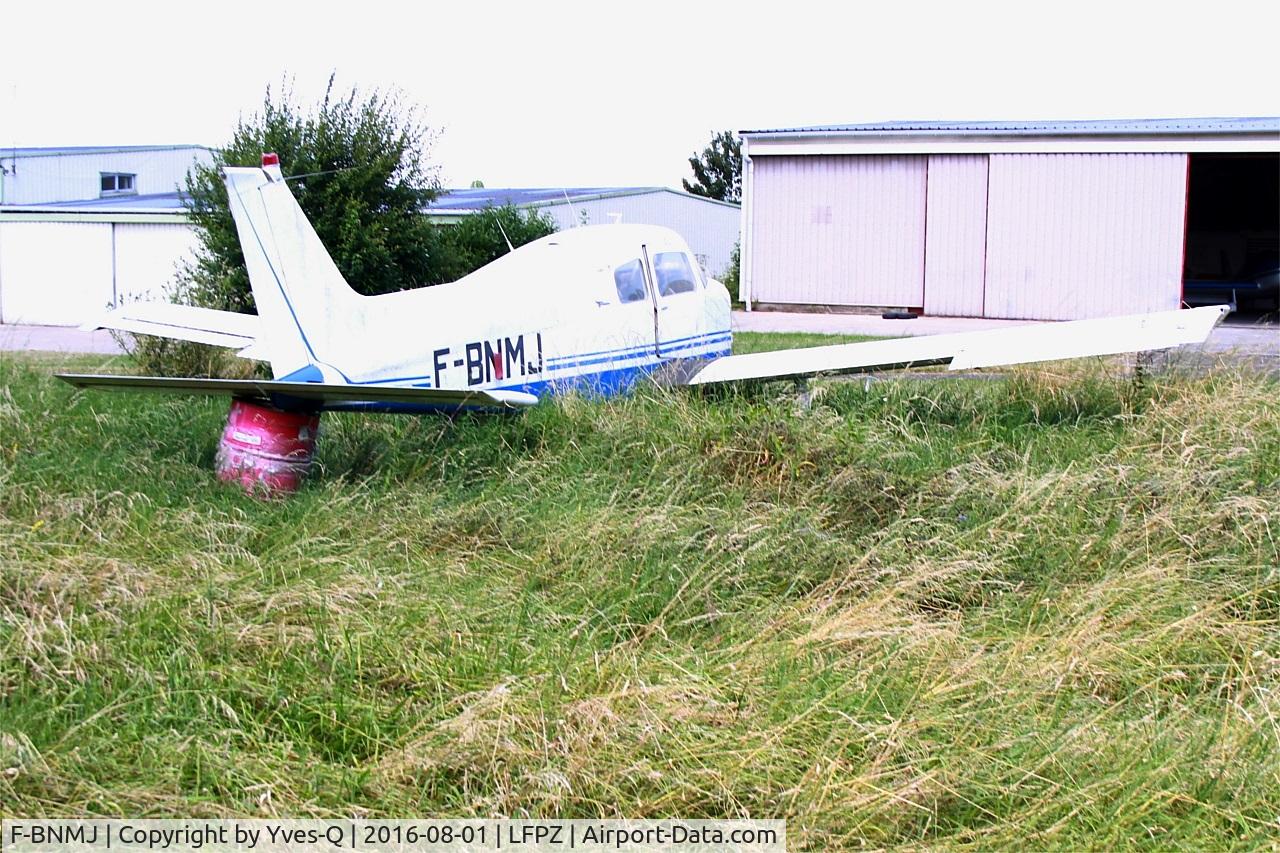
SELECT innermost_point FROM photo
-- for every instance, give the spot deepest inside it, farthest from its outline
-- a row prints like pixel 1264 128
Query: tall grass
pixel 1041 611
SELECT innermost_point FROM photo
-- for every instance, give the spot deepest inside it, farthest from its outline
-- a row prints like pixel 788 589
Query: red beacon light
pixel 271 159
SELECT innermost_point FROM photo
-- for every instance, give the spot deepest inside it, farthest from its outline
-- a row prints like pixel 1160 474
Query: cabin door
pixel 678 315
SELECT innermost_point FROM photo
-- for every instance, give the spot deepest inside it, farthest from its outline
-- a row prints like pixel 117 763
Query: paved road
pixel 56 339
pixel 860 324
pixel 1233 336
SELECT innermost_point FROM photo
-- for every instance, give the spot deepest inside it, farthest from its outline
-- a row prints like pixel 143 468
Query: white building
pixel 63 263
pixel 1026 220
pixel 85 228
pixel 710 227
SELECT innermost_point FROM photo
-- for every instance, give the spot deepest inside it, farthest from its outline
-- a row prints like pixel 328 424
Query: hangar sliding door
pixel 956 235
pixel 838 230
pixel 1071 236
pixel 54 273
pixel 147 257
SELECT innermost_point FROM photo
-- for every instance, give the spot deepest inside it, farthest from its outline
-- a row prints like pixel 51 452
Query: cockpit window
pixel 629 279
pixel 700 267
pixel 675 273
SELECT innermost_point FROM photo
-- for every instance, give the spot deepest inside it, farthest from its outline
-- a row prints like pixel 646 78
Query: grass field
pixel 1042 611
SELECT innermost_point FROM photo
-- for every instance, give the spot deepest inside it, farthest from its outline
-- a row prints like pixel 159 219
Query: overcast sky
pixel 621 94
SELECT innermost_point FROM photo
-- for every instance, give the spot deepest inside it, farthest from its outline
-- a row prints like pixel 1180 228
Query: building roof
pixel 1101 127
pixel 462 201
pixel 150 203
pixel 160 206
pixel 73 150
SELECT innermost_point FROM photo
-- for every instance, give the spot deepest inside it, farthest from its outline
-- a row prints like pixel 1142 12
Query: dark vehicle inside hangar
pixel 1233 231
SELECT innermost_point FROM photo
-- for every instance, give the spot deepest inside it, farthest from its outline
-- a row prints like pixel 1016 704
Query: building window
pixel 118 183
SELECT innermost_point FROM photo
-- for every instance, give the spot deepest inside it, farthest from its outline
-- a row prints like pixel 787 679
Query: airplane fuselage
pixel 593 309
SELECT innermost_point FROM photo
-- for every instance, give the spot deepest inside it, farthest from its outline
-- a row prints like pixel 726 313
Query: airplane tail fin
pixel 303 301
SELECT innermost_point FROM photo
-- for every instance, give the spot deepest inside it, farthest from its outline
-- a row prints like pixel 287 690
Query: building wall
pixel 1020 236
pixel 711 229
pixel 76 177
pixel 60 273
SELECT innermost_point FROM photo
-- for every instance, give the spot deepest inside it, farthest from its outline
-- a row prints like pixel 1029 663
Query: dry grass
pixel 1041 612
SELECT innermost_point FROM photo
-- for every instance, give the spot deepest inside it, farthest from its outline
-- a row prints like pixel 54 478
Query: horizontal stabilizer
pixel 316 395
pixel 255 351
pixel 994 348
pixel 183 322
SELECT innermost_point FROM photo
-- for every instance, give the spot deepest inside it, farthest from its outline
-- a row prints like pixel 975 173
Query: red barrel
pixel 265 449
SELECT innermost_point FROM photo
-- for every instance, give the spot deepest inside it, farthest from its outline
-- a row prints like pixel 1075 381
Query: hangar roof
pixel 7 152
pixel 152 207
pixel 1159 135
pixel 1163 126
pixel 150 202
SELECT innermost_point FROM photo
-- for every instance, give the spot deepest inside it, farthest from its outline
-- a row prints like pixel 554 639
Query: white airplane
pixel 595 309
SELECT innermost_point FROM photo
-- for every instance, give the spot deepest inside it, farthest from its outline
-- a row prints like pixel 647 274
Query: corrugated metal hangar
pixel 1018 220
pixel 62 264
pixel 84 228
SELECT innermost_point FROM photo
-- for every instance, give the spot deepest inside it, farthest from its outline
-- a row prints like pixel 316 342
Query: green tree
pixel 358 166
pixel 482 237
pixel 717 171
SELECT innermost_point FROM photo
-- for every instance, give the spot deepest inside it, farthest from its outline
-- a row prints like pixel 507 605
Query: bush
pixel 357 165
pixel 168 357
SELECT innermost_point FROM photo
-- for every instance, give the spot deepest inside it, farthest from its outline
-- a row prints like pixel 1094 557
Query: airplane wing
pixel 966 351
pixel 315 395
pixel 184 322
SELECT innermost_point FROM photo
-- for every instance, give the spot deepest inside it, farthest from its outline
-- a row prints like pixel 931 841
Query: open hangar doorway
pixel 1233 232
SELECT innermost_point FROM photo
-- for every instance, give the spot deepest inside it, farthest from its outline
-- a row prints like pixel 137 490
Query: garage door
pixel 54 273
pixel 1084 235
pixel 838 230
pixel 956 236
pixel 147 256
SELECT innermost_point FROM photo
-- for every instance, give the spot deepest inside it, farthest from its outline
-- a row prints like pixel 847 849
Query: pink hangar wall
pixel 838 230
pixel 1021 236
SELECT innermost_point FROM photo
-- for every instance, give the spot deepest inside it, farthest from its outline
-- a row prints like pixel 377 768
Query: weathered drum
pixel 265 449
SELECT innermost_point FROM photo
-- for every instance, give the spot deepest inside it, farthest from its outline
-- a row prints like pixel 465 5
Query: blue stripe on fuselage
pixel 643 349
pixel 591 359
pixel 635 353
pixel 604 383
